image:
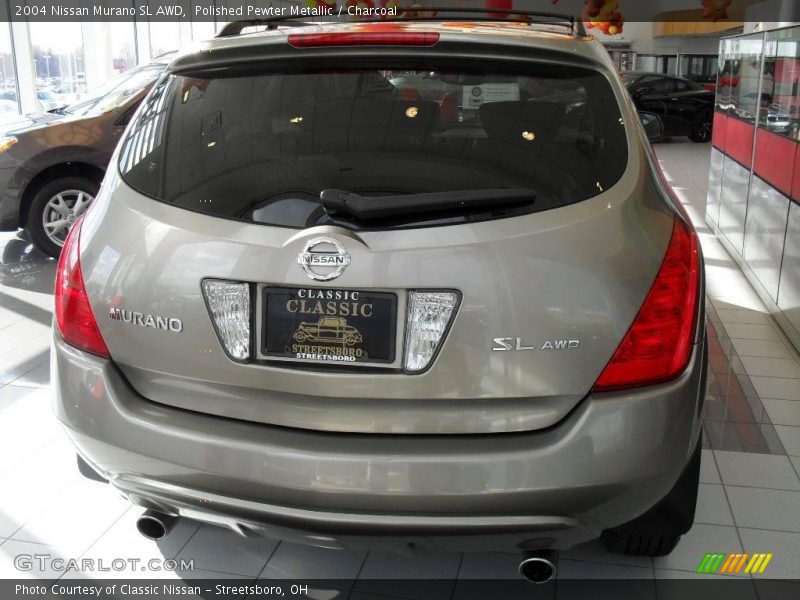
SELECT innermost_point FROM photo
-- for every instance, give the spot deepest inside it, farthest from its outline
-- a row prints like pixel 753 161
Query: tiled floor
pixel 749 497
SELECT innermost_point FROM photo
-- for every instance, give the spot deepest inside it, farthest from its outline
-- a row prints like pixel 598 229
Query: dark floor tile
pixel 738 436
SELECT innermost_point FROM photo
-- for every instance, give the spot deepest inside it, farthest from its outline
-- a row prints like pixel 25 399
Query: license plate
pixel 336 326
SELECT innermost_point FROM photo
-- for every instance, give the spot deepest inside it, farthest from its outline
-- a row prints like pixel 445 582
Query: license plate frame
pixel 328 326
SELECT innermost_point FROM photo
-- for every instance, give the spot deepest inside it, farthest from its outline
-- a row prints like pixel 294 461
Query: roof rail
pixel 575 26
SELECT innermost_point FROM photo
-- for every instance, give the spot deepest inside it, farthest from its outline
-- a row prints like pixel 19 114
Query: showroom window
pixel 9 104
pixel 164 37
pixel 699 68
pixel 58 63
pixel 123 46
pixel 203 30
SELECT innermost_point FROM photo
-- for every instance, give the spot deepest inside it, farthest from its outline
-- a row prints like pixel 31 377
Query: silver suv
pixel 415 281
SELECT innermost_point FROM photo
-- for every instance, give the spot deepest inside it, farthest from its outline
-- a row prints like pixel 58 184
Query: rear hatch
pixel 405 243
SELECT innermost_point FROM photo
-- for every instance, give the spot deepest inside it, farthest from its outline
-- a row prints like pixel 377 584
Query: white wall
pixel 771 14
pixel 686 45
pixel 640 36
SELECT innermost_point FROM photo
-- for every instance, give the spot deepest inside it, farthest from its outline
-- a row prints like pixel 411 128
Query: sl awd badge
pixel 323 258
pixel 516 344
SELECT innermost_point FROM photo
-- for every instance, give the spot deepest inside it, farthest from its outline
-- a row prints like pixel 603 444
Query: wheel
pixel 55 207
pixel 658 531
pixel 702 127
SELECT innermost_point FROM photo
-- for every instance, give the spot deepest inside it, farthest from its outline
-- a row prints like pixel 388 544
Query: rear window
pixel 261 146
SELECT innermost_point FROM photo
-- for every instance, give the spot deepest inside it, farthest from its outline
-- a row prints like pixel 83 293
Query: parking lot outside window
pixel 9 98
pixel 58 63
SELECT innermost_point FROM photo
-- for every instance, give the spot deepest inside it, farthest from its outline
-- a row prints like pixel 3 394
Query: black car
pixel 685 107
pixel 51 164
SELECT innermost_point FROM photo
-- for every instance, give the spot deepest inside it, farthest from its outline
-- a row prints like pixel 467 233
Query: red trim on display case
pixel 719 131
pixel 775 160
pixel 739 141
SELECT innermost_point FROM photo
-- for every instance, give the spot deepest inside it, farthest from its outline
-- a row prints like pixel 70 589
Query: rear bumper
pixel 607 462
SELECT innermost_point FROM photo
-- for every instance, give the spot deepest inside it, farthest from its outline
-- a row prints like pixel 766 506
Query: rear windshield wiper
pixel 373 208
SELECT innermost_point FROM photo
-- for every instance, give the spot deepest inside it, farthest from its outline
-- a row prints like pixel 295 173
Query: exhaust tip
pixel 538 567
pixel 155 526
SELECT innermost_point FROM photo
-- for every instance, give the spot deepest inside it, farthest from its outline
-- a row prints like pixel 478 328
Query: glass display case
pixel 779 111
pixel 754 183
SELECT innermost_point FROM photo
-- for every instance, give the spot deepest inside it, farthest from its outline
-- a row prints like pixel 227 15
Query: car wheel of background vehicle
pixel 55 207
pixel 657 532
pixel 701 127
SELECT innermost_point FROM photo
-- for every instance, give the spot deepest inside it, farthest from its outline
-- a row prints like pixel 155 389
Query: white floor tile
pixel 123 542
pixel 757 470
pixel 772 367
pixel 759 508
pixel 295 561
pixel 595 552
pixel 762 348
pixel 785 546
pixel 751 332
pixel 683 585
pixel 743 316
pixel 30 493
pixel 490 565
pixel 416 576
pixel 26 426
pixel 215 548
pixel 26 560
pixel 790 438
pixel 75 519
pixel 776 387
pixel 708 468
pixel 189 574
pixel 782 412
pixel 573 569
pixel 712 506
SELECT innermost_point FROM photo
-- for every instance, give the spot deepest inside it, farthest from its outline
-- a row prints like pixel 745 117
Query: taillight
pixel 74 315
pixel 364 38
pixel 658 344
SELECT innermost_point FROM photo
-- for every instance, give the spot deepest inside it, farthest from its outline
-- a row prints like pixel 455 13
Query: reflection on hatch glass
pixel 376 148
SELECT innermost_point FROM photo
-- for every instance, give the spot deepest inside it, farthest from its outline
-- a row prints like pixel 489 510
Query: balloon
pixel 715 9
pixel 603 15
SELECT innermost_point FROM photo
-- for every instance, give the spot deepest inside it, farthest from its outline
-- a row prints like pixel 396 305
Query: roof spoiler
pixel 529 17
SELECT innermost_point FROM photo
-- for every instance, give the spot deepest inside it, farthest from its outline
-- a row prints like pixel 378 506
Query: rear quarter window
pixel 260 146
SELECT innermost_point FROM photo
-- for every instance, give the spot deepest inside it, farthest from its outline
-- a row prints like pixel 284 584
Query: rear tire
pixel 658 531
pixel 46 207
pixel 702 127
